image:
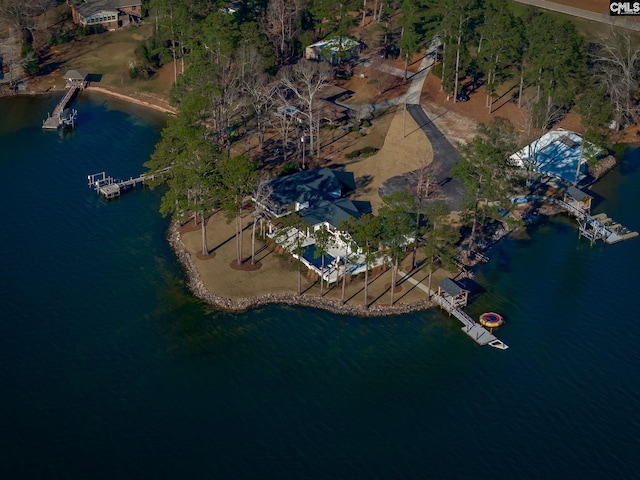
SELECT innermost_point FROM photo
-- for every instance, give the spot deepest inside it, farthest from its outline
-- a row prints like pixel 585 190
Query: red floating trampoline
pixel 491 319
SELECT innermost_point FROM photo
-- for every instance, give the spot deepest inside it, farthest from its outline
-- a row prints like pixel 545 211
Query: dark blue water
pixel 110 369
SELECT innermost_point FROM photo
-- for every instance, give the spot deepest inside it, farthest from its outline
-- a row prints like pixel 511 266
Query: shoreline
pixel 132 99
pixel 197 288
pixel 160 106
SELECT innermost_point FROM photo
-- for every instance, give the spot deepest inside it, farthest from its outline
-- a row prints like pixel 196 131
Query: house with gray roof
pixel 306 190
pixel 318 196
pixel 110 14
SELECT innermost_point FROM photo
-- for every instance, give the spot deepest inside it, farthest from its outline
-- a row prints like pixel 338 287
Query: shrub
pixel 437 70
pixel 83 30
pixel 27 50
pixel 32 67
pixel 368 151
pixel 364 151
pixel 136 71
pixel 58 39
pixel 288 168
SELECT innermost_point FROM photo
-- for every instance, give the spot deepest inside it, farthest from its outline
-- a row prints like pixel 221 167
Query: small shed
pixel 76 77
pixel 577 198
pixel 453 293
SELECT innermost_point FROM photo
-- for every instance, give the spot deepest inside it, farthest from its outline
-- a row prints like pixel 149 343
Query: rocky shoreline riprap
pixel 237 305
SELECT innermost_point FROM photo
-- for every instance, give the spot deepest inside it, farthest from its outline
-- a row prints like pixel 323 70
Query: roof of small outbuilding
pixel 576 193
pixel 450 287
pixel 76 75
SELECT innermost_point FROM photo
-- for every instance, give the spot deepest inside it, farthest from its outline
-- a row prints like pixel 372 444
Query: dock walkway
pixel 474 330
pixel 57 118
pixel 109 187
pixel 593 227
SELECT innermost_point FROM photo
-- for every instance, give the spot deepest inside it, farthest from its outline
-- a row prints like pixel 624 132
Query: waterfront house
pixel 559 154
pixel 110 14
pixel 305 189
pixel 318 196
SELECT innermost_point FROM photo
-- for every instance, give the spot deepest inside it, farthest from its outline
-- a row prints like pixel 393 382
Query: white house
pixel 318 196
pixel 558 153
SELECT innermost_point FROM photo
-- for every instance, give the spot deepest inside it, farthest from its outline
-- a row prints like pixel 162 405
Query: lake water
pixel 110 369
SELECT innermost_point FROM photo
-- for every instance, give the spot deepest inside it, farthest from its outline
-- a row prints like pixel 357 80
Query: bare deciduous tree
pixel 261 92
pixel 616 64
pixel 283 119
pixel 279 23
pixel 306 79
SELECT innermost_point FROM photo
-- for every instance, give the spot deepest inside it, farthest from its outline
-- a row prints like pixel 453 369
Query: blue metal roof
pixel 557 154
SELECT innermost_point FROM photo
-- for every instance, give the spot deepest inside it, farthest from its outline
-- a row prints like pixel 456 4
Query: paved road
pixel 632 23
pixel 444 154
pixel 450 190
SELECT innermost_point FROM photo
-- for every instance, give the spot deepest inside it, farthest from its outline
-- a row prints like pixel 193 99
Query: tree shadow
pixel 48 68
pixel 363 181
pixel 413 285
pixel 355 294
pixel 509 100
pixel 429 121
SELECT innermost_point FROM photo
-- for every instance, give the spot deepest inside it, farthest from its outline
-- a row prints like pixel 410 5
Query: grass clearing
pixel 109 55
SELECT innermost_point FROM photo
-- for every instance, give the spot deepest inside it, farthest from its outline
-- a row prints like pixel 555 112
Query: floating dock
pixel 474 330
pixel 109 187
pixel 613 232
pixel 593 227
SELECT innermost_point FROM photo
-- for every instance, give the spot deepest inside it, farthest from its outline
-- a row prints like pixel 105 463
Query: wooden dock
pixel 614 232
pixel 109 187
pixel 474 330
pixel 597 227
pixel 593 227
pixel 60 117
